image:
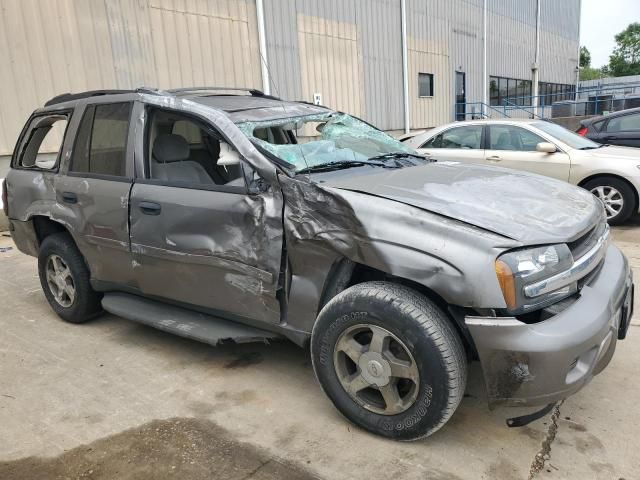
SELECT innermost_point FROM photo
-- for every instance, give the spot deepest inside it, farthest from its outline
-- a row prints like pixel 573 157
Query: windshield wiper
pixel 593 148
pixel 394 155
pixel 338 165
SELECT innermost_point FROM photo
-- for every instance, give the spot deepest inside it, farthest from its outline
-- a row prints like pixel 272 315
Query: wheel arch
pixel 596 176
pixel 44 226
pixel 345 273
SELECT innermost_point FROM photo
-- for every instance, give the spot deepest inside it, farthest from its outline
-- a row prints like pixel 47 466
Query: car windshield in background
pixel 565 136
pixel 329 139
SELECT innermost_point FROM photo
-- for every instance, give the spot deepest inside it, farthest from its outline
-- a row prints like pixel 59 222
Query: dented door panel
pixel 214 249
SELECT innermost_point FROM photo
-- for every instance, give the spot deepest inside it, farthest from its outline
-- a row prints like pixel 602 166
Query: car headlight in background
pixel 518 268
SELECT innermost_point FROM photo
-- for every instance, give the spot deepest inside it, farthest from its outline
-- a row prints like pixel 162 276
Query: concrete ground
pixel 113 399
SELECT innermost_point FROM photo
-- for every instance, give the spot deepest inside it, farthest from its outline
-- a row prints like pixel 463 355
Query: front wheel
pixel 389 360
pixel 616 196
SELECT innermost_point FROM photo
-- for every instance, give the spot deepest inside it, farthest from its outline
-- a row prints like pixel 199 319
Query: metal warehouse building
pixel 396 63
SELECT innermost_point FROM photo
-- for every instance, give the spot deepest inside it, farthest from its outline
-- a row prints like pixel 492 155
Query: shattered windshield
pixel 328 139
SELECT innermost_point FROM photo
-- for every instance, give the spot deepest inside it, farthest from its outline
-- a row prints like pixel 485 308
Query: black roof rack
pixel 254 92
pixel 68 97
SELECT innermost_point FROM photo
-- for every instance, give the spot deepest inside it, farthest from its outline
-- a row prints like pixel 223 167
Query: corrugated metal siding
pixel 511 34
pixel 373 79
pixel 349 51
pixel 560 25
pixel 56 46
pixel 429 35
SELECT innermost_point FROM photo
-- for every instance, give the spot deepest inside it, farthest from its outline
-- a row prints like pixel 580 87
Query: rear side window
pixel 101 142
pixel 624 123
pixel 43 142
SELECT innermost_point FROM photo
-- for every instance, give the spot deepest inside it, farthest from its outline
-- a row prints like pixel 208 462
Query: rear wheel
pixel 389 359
pixel 65 280
pixel 616 196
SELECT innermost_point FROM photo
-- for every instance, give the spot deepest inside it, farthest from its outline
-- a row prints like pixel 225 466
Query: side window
pixel 43 142
pixel 508 137
pixel 433 142
pixel 101 141
pixel 183 151
pixel 624 123
pixel 459 137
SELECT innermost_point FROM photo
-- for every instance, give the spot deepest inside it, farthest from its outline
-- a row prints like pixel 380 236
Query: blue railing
pixel 587 101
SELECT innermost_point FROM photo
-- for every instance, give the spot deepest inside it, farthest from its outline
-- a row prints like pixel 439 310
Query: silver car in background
pixel 612 173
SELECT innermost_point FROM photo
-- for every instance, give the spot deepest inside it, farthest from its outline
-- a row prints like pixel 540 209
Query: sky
pixel 601 21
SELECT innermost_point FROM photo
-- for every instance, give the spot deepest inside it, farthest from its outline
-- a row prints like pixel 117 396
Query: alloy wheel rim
pixel 60 281
pixel 376 369
pixel 611 198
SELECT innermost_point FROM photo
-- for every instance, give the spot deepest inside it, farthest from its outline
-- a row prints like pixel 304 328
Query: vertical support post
pixel 405 66
pixel 575 97
pixel 262 48
pixel 535 67
pixel 485 87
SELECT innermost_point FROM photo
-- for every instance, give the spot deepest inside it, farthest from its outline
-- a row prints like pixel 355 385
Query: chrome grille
pixel 586 242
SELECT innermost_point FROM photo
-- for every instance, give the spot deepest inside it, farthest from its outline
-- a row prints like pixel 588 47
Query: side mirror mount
pixel 255 183
pixel 228 156
pixel 546 147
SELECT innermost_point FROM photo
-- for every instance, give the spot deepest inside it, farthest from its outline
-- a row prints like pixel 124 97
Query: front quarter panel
pixel 324 224
pixel 584 166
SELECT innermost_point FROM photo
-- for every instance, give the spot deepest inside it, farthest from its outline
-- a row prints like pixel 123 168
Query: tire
pixel 619 191
pixel 59 255
pixel 415 323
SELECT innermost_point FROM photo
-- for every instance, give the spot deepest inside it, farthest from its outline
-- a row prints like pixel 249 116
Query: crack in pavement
pixel 545 449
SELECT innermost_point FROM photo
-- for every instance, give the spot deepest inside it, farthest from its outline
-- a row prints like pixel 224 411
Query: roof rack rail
pixel 254 92
pixel 68 97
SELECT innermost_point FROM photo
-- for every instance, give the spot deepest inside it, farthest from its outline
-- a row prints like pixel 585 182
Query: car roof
pixel 496 120
pixel 619 113
pixel 247 105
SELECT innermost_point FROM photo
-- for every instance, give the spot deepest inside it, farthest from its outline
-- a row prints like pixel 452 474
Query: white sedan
pixel 538 146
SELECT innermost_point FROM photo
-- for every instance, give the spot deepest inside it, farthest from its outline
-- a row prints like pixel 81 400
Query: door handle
pixel 426 154
pixel 611 137
pixel 69 197
pixel 150 208
pixel 494 158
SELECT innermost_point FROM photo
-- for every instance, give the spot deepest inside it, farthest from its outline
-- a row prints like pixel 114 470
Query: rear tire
pixel 617 197
pixel 389 360
pixel 65 280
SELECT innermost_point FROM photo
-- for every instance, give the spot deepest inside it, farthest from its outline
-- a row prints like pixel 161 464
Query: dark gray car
pixel 618 128
pixel 245 217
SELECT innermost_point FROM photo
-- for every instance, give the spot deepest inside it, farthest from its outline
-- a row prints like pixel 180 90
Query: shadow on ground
pixel 162 449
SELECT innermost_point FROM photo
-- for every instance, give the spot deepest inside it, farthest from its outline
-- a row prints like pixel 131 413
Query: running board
pixel 182 322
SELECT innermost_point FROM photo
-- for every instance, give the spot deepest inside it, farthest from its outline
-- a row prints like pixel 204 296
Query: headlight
pixel 519 268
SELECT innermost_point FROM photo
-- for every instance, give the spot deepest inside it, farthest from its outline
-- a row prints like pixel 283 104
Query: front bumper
pixel 541 363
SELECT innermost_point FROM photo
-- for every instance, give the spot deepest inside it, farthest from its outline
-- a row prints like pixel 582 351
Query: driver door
pixel 514 147
pixel 198 236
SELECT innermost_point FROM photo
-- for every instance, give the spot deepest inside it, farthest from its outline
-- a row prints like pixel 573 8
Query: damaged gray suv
pixel 242 217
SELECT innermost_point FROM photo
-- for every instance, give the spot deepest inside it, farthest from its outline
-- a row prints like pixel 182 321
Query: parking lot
pixel 114 399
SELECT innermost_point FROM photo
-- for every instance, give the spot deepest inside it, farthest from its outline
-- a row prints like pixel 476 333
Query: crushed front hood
pixel 525 207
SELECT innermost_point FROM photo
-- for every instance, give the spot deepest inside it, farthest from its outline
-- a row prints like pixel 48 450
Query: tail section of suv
pixel 246 217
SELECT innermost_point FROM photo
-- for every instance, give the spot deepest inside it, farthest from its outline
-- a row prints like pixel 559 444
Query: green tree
pixel 590 73
pixel 625 59
pixel 585 57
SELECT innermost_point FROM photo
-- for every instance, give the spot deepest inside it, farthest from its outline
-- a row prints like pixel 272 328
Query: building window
pixel 509 91
pixel 554 92
pixel 425 84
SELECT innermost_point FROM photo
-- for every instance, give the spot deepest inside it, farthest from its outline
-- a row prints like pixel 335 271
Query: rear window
pixel 43 142
pixel 101 143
